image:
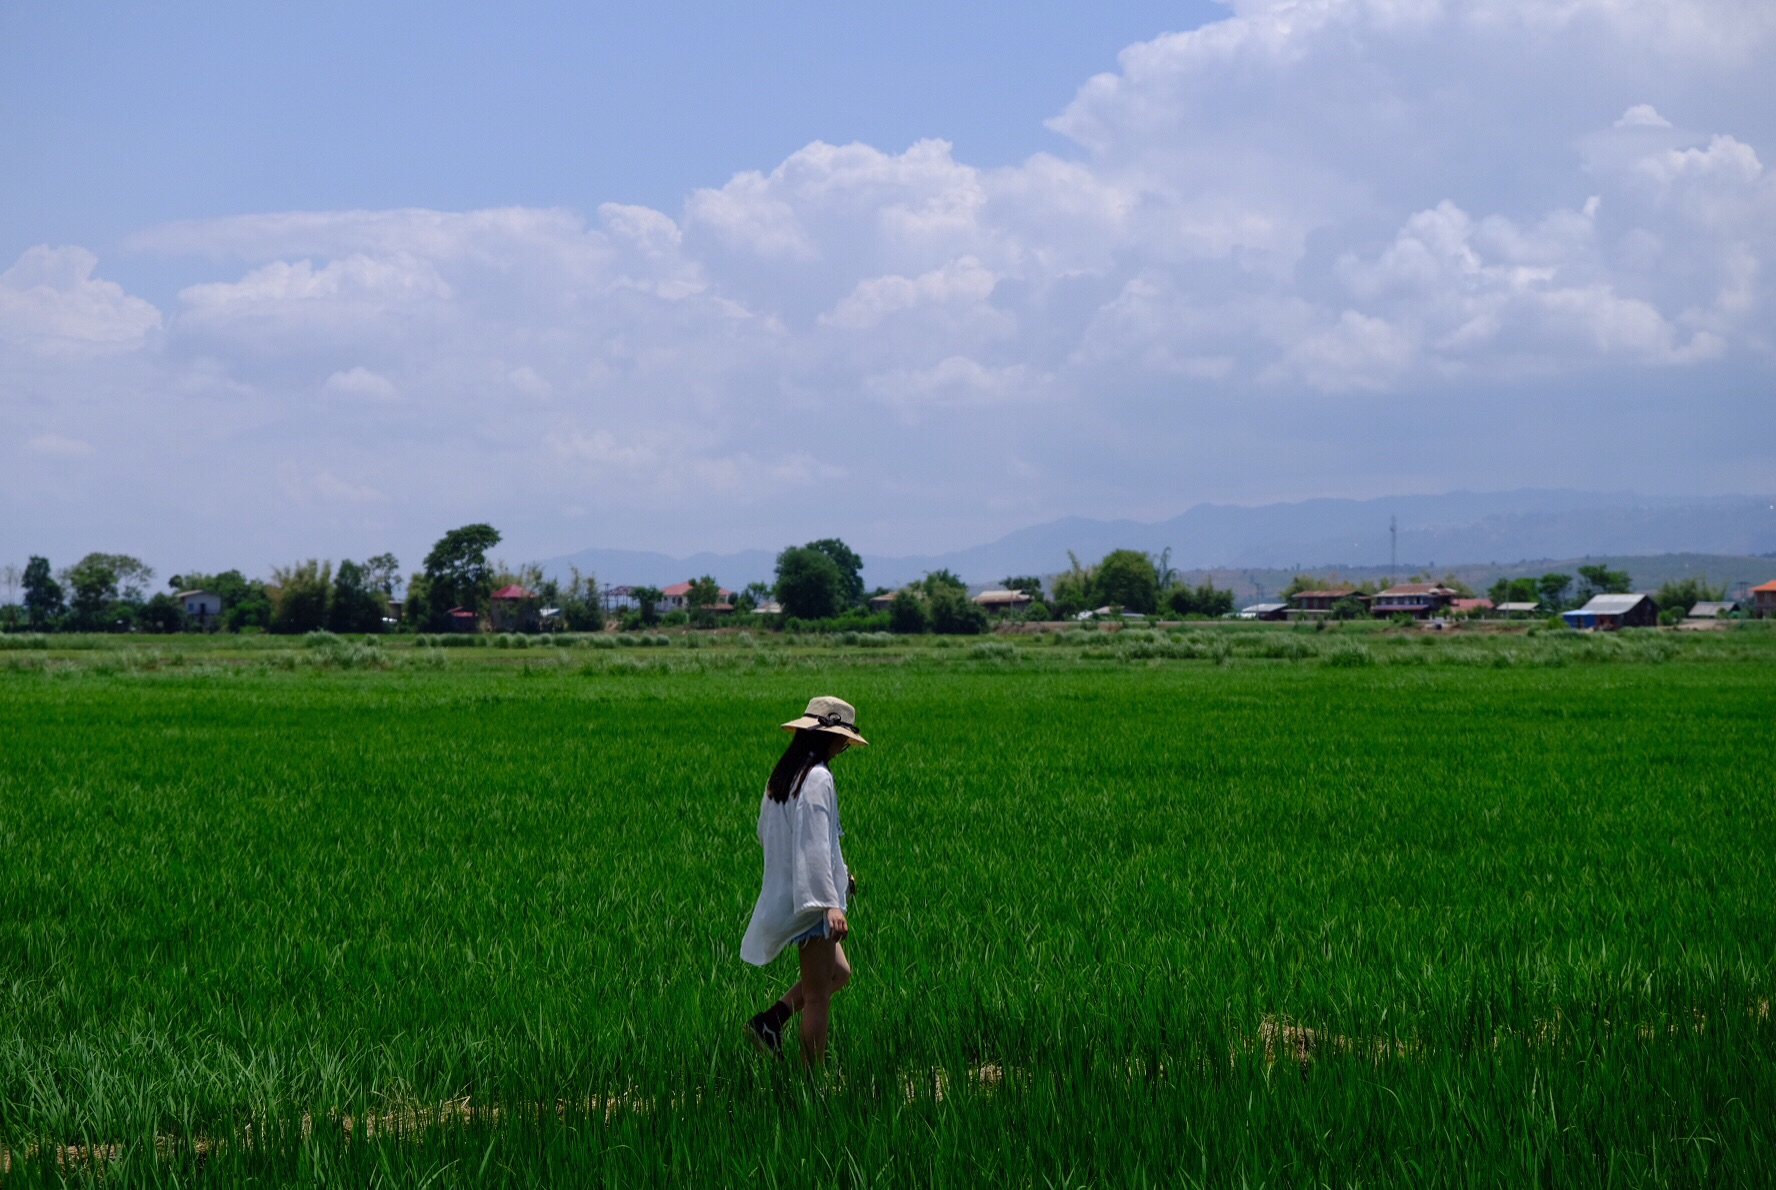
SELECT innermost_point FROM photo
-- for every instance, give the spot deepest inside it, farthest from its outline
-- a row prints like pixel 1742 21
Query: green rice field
pixel 1225 905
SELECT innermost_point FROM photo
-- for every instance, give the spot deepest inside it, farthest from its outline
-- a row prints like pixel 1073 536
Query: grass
pixel 1196 907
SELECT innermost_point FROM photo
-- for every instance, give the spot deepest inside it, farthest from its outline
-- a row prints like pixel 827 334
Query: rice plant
pixel 1202 910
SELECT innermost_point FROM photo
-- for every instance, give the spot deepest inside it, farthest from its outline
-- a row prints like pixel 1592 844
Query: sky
pixel 326 281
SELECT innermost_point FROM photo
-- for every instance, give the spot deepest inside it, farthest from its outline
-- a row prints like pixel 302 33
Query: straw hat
pixel 834 716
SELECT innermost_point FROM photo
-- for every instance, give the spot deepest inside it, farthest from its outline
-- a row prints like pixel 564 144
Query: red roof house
pixel 677 598
pixel 1765 595
pixel 515 609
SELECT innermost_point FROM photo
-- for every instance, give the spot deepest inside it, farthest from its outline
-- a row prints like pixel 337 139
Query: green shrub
pixel 1348 657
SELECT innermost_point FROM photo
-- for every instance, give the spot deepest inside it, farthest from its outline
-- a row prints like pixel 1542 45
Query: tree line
pixel 816 584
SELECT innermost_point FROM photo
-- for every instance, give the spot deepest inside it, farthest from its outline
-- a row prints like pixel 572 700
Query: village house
pixel 1002 601
pixel 1308 605
pixel 1610 612
pixel 879 603
pixel 203 607
pixel 1764 597
pixel 1471 607
pixel 514 609
pixel 463 620
pixel 1518 608
pixel 1265 611
pixel 677 598
pixel 1418 600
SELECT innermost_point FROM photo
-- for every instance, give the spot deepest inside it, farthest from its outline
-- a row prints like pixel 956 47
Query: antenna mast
pixel 1393 547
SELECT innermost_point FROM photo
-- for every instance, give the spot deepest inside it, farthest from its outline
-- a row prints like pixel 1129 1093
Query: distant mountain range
pixel 1443 531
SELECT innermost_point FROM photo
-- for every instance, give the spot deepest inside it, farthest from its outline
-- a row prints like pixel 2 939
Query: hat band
pixel 833 720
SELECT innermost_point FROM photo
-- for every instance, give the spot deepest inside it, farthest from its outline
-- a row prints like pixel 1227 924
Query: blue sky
pixel 123 117
pixel 327 281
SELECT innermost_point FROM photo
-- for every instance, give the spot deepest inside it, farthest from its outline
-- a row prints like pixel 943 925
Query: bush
pixel 1402 620
pixel 1349 657
pixel 1036 613
pixel 907 615
pixel 953 614
pixel 319 639
pixel 855 620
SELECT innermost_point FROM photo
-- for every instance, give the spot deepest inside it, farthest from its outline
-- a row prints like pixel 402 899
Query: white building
pixel 204 607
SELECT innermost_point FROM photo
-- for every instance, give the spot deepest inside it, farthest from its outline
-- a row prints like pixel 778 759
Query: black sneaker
pixel 768 1037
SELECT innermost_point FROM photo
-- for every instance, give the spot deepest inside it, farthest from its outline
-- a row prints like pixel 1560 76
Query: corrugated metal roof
pixel 1418 589
pixel 1266 607
pixel 1518 607
pixel 1612 605
pixel 513 592
pixel 1709 608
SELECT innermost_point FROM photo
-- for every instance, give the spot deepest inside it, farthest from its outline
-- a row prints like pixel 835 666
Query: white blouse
pixel 805 872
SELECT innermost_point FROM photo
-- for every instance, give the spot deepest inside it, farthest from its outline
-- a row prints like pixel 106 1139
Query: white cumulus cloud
pixel 1302 207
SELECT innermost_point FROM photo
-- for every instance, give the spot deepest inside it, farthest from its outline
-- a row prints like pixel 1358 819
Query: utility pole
pixel 1393 547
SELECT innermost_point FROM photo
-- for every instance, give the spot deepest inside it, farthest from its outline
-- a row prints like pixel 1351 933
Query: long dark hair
pixel 806 749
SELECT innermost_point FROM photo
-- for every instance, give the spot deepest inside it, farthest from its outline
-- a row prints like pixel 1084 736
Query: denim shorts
pixel 817 930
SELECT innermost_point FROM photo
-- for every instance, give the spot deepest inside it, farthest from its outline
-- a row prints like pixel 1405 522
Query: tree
pixel 849 564
pixel 302 596
pixel 1349 607
pixel 1299 583
pixel 648 600
pixel 1457 585
pixel 162 613
pixel 356 605
pixel 1552 587
pixel 937 581
pixel 1125 579
pixel 906 613
pixel 580 609
pixel 758 593
pixel 1513 590
pixel 954 614
pixel 100 583
pixel 1029 584
pixel 1164 574
pixel 93 586
pixel 1205 599
pixel 1681 594
pixel 1599 579
pixel 457 574
pixel 10 578
pixel 704 592
pixel 43 595
pixel 809 583
pixel 1073 588
pixel 383 572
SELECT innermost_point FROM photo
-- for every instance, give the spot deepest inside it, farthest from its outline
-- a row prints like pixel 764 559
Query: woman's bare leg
pixel 793 997
pixel 824 971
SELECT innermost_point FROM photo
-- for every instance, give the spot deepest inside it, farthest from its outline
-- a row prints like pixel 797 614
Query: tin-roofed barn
pixel 1713 609
pixel 1003 601
pixel 1518 608
pixel 1609 612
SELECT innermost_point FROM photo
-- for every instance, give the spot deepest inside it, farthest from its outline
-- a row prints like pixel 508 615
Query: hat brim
pixel 810 723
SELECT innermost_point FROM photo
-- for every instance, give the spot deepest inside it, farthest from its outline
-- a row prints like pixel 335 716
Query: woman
pixel 806 883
